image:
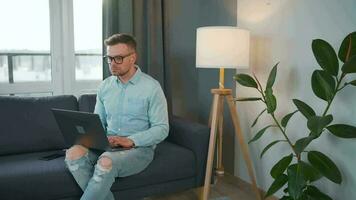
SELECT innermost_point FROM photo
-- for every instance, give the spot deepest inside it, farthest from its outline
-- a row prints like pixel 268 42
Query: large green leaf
pixel 285 190
pixel 305 197
pixel 310 173
pixel 286 118
pixel 306 110
pixel 348 45
pixel 302 143
pixel 270 100
pixel 277 184
pixel 254 122
pixel 316 124
pixel 286 198
pixel 296 181
pixel 269 146
pixel 326 56
pixel 350 65
pixel 281 166
pixel 323 85
pixel 325 166
pixel 245 80
pixel 316 194
pixel 342 130
pixel 272 76
pixel 259 134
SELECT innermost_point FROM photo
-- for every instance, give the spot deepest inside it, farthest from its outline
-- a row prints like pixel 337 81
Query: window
pixel 4 70
pixel 88 40
pixel 31 66
pixel 50 47
pixel 25 41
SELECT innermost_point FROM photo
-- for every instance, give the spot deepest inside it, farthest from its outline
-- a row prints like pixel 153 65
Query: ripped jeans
pixel 96 181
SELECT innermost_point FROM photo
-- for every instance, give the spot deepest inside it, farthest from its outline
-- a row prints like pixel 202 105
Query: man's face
pixel 128 59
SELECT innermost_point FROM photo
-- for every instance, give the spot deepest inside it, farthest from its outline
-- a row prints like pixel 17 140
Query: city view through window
pixel 25 41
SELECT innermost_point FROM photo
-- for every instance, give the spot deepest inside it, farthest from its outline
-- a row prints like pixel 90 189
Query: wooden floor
pixel 227 187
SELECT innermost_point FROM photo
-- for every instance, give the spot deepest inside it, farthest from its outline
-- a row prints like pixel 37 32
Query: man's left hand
pixel 121 141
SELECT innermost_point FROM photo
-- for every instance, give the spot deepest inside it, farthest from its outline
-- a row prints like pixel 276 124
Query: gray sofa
pixel 28 131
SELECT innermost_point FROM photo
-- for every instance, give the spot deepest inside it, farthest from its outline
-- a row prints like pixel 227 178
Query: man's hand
pixel 120 141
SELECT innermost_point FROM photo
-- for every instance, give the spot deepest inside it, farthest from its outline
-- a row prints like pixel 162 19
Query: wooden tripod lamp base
pixel 216 119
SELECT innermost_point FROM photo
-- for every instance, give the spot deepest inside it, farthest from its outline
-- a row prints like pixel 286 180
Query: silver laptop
pixel 83 128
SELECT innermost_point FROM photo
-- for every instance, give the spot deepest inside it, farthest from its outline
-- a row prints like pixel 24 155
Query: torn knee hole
pixel 105 163
pixel 76 152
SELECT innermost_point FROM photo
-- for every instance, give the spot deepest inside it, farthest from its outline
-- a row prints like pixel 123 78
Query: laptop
pixel 83 128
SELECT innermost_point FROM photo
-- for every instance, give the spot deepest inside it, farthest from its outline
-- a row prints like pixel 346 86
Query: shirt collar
pixel 136 77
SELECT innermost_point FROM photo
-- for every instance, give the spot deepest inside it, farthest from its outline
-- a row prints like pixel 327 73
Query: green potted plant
pixel 297 172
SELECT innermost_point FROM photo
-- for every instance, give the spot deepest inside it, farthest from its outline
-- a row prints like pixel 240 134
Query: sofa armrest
pixel 193 136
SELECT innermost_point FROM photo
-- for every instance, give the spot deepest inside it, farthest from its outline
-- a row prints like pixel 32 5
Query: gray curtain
pixel 144 20
pixel 117 18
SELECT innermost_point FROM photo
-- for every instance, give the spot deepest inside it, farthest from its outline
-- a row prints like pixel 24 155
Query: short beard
pixel 120 74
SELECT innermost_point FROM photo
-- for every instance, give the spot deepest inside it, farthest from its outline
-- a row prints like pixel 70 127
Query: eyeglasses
pixel 117 59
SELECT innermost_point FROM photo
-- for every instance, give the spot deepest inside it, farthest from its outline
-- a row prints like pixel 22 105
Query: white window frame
pixel 62 58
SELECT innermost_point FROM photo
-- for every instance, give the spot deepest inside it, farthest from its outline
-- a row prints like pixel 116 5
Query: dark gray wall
pixel 190 87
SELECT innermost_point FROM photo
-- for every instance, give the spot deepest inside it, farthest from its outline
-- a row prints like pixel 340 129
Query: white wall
pixel 282 30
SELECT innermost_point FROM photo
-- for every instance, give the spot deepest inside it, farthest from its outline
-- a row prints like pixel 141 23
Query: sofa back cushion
pixel 87 102
pixel 28 125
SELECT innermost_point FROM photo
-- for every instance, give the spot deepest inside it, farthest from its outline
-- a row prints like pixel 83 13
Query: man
pixel 133 111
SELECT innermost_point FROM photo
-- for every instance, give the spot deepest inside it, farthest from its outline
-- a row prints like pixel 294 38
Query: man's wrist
pixel 133 145
pixel 132 141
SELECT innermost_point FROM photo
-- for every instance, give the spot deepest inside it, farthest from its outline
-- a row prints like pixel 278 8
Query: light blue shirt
pixel 136 109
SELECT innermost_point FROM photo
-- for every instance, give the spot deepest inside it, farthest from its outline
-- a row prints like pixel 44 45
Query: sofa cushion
pixel 24 176
pixel 27 123
pixel 171 162
pixel 87 102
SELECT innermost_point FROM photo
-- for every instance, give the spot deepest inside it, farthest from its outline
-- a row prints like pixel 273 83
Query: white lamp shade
pixel 222 46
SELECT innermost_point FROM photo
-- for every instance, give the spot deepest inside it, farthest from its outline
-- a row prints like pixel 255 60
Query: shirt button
pixel 119 129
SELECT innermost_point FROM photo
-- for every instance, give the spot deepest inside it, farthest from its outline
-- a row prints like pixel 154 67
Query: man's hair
pixel 121 38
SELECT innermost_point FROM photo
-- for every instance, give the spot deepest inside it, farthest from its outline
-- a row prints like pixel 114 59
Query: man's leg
pixel 78 161
pixel 116 164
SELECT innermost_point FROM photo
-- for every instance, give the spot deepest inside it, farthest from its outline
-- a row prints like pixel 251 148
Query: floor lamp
pixel 223 47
